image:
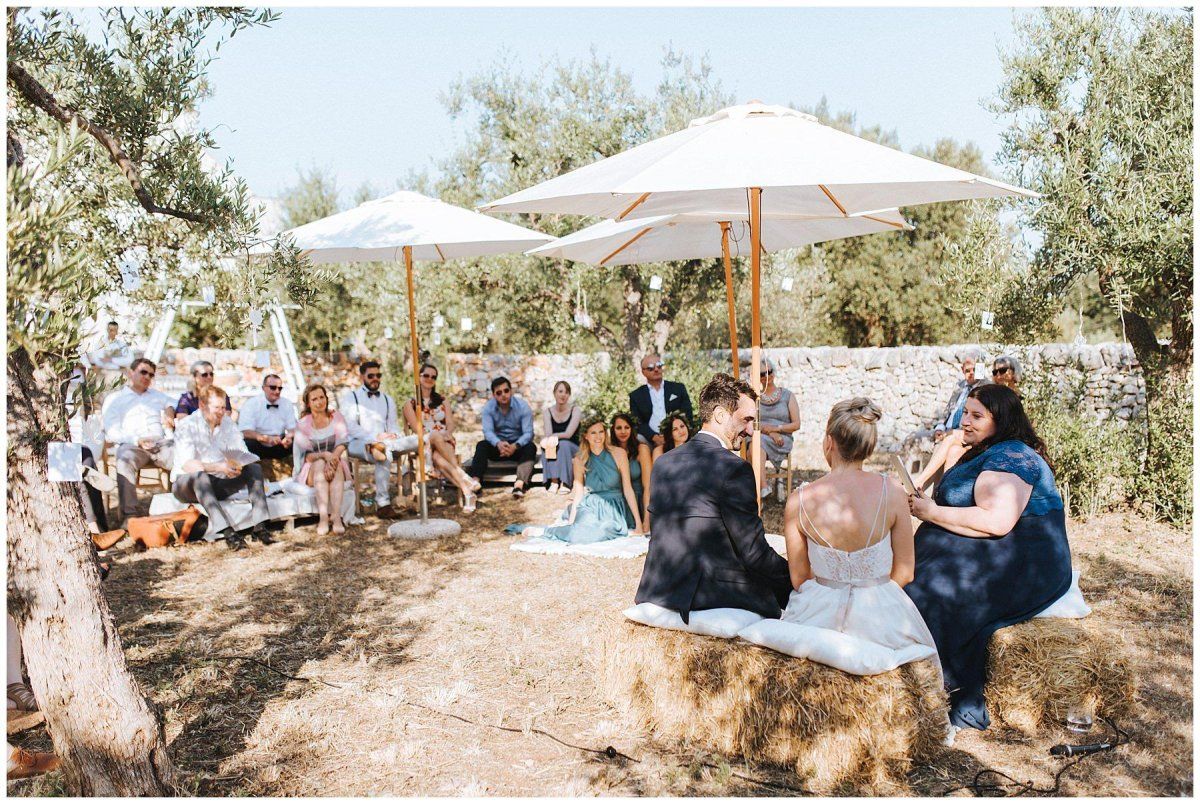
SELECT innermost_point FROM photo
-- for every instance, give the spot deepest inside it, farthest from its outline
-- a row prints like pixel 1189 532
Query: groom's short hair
pixel 722 391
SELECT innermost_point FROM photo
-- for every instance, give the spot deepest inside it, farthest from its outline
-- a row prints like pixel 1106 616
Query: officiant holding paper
pixel 212 464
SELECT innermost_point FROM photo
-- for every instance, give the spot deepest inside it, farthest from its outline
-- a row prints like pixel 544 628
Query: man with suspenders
pixel 372 420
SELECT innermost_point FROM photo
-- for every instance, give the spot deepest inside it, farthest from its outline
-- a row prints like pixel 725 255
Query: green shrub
pixel 1095 462
pixel 1162 487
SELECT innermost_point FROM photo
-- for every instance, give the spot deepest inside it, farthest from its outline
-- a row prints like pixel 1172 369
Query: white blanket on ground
pixel 625 547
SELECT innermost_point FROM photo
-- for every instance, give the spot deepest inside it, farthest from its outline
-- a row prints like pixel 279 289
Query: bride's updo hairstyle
pixel 851 425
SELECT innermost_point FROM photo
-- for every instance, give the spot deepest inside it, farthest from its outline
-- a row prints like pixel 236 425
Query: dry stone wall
pixel 910 383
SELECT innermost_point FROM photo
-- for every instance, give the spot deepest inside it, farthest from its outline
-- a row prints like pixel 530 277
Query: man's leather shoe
pixel 262 535
pixel 23 764
pixel 235 541
pixel 388 512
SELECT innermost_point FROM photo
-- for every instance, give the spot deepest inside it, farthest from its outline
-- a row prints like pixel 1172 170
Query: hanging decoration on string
pixel 208 294
pixel 466 325
pixel 987 320
pixel 582 317
pixel 256 319
pixel 388 333
pixel 656 282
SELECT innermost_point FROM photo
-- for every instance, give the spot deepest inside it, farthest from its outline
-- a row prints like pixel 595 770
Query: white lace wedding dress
pixel 851 614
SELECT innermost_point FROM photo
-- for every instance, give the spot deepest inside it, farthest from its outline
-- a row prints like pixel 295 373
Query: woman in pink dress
pixel 319 456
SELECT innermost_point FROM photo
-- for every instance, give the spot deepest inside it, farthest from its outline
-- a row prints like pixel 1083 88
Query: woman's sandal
pixel 22 696
pixel 469 500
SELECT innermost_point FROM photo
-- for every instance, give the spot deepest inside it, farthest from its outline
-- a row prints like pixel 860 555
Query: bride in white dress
pixel 850 550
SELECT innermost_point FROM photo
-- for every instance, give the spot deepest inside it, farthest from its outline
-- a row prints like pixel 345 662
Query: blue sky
pixel 355 91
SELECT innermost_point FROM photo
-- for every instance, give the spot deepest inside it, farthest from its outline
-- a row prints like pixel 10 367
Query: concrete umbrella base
pixel 430 529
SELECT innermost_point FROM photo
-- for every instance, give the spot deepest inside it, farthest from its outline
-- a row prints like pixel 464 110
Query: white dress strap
pixel 804 516
pixel 879 515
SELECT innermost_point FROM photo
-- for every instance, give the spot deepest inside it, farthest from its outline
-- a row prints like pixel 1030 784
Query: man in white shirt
pixel 373 422
pixel 212 464
pixel 138 420
pixel 650 403
pixel 111 353
pixel 268 421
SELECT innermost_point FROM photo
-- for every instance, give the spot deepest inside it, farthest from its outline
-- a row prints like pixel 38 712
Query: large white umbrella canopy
pixel 377 231
pixel 801 165
pixel 409 226
pixel 684 237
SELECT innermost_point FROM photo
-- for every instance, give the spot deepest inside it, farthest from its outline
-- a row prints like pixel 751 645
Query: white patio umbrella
pixel 684 237
pixel 752 160
pixel 409 226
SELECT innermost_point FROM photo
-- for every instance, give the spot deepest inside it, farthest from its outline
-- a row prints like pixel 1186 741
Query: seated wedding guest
pixel 110 353
pixel 604 506
pixel 675 433
pixel 650 403
pixel 20 697
pixel 437 424
pixel 560 423
pixel 850 550
pixel 210 467
pixel 709 549
pixel 189 400
pixel 1006 371
pixel 319 455
pixel 953 412
pixel 268 420
pixel 507 435
pixel 373 419
pixel 624 436
pixel 992 551
pixel 137 420
pixel 779 417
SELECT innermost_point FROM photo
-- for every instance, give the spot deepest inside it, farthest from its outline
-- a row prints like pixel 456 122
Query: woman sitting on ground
pixel 560 423
pixel 604 506
pixel 850 550
pixel 624 436
pixel 438 424
pixel 189 400
pixel 992 551
pixel 675 432
pixel 319 455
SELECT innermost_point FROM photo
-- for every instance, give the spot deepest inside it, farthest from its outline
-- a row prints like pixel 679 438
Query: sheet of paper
pixel 904 477
pixel 66 461
pixel 243 458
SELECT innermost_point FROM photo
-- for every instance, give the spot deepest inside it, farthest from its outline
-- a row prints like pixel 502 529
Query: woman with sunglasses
pixel 1006 371
pixel 189 401
pixel 438 426
pixel 779 417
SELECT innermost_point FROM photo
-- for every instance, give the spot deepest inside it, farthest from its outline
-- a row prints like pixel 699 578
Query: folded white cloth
pixel 723 623
pixel 625 547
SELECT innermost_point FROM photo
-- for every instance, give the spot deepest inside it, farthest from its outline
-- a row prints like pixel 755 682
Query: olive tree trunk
pixel 108 737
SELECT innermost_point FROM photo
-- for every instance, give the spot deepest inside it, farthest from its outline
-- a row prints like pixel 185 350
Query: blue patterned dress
pixel 967 588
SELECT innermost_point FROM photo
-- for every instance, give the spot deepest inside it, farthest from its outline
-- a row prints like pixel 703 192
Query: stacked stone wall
pixel 910 383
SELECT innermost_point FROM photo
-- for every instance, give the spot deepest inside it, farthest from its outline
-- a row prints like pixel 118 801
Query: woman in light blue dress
pixel 604 502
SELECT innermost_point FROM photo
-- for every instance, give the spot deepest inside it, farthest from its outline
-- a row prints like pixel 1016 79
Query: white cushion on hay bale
pixel 420 531
pixel 286 500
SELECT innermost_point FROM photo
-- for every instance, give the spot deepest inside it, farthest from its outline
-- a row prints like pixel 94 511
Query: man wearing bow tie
pixel 373 422
pixel 268 421
pixel 650 403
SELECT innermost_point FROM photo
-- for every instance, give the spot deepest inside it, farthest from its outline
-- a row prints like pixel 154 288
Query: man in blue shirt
pixel 507 435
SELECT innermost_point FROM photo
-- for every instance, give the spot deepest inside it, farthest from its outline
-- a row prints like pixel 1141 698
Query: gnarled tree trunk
pixel 110 740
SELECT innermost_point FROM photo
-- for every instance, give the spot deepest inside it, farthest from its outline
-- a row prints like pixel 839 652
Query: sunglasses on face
pixel 428 376
pixel 204 373
pixel 373 376
pixel 273 387
pixel 997 372
pixel 765 373
pixel 145 373
pixel 653 366
pixel 503 391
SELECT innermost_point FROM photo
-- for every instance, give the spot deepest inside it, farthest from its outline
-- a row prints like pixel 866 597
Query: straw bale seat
pixel 841 733
pixel 1037 669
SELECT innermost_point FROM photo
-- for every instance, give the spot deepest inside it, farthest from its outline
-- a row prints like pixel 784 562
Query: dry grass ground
pixel 421 637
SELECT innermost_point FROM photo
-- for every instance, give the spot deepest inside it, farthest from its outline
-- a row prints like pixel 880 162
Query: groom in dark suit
pixel 708 549
pixel 650 403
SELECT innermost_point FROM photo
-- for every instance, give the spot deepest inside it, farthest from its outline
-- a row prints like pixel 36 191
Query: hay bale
pixel 1037 669
pixel 841 733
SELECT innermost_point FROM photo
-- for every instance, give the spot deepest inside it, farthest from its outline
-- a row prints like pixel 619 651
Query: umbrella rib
pixel 439 251
pixel 884 220
pixel 627 243
pixel 830 196
pixel 633 206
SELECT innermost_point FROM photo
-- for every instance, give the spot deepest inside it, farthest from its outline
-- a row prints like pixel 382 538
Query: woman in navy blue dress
pixel 992 551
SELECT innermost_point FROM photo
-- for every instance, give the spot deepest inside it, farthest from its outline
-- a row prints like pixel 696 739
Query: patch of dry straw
pixel 1037 669
pixel 841 733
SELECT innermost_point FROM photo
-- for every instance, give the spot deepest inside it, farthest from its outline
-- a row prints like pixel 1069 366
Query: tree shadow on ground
pixel 184 619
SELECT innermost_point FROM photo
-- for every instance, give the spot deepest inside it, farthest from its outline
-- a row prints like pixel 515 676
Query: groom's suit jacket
pixel 708 549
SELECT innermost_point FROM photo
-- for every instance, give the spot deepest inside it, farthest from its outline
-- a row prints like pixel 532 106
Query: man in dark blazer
pixel 708 549
pixel 650 403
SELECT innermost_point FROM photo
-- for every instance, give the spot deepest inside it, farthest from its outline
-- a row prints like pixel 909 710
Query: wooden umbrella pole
pixel 729 296
pixel 416 359
pixel 756 326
